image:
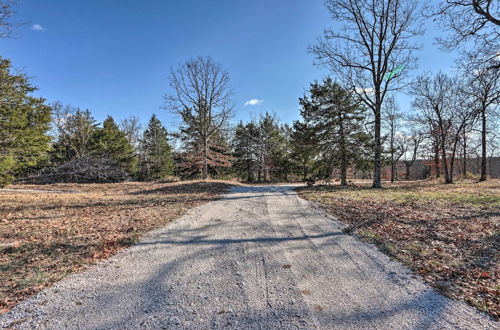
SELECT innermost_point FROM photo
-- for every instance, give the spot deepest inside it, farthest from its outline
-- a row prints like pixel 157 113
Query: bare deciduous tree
pixel 392 117
pixel 484 88
pixel 132 128
pixel 432 97
pixel 411 145
pixel 475 22
pixel 74 129
pixel 6 12
pixel 371 53
pixel 493 144
pixel 202 99
pixel 446 108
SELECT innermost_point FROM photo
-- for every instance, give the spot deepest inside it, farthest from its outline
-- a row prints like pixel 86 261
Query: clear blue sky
pixel 114 57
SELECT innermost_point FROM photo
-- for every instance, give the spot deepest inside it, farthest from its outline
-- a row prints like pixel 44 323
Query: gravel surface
pixel 261 258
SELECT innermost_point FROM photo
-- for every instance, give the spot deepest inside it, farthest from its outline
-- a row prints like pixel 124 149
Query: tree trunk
pixel 483 145
pixel 205 156
pixel 343 158
pixel 249 178
pixel 266 170
pixel 407 171
pixel 489 165
pixel 378 149
pixel 249 160
pixel 445 163
pixel 392 153
pixel 259 173
pixel 260 168
pixel 343 175
pixel 452 162
pixel 436 160
pixel 465 155
pixel 393 167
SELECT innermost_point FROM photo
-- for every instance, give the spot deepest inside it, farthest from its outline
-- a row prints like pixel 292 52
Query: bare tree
pixel 431 98
pixel 202 99
pixel 132 128
pixel 484 87
pixel 466 130
pixel 430 140
pixel 493 145
pixel 392 116
pixel 446 108
pixel 472 23
pixel 462 119
pixel 6 12
pixel 411 144
pixel 75 129
pixel 371 53
pixel 413 139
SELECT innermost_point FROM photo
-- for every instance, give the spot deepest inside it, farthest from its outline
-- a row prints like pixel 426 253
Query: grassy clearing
pixel 45 235
pixel 449 234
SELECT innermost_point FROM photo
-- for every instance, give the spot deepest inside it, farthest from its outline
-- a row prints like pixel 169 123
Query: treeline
pixel 24 122
pixel 331 136
pixel 144 155
pixel 39 140
pixel 350 123
pixel 451 118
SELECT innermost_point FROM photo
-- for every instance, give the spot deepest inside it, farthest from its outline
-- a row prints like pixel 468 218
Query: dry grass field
pixel 449 234
pixel 47 232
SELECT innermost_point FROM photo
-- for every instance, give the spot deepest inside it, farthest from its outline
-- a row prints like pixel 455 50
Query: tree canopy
pixel 24 124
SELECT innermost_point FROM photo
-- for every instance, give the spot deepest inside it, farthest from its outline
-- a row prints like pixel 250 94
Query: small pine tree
pixel 111 141
pixel 155 152
pixel 24 123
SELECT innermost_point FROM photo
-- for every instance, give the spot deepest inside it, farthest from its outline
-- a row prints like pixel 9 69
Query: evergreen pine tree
pixel 269 140
pixel 24 122
pixel 261 149
pixel 284 152
pixel 155 152
pixel 111 142
pixel 337 123
pixel 304 148
pixel 244 146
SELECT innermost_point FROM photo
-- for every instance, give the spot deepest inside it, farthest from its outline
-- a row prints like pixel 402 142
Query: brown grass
pixel 449 234
pixel 45 235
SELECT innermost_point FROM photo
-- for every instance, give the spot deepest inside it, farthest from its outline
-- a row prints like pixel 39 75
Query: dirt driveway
pixel 261 258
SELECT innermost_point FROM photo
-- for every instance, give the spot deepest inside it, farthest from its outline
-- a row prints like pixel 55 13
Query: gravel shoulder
pixel 260 258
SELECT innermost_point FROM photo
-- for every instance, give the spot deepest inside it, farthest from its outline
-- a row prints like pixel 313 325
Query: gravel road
pixel 261 258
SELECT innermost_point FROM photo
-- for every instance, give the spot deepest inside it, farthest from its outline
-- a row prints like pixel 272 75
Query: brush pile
pixel 82 170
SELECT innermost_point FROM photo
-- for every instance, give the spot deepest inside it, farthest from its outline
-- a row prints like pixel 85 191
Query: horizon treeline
pixel 333 140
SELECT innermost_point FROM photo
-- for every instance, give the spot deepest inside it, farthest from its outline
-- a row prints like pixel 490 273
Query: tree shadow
pixel 161 301
pixel 186 188
pixel 163 298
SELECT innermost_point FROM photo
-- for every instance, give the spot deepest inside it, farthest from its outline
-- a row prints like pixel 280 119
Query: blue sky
pixel 114 57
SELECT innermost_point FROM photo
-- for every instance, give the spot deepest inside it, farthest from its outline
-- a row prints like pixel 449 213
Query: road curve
pixel 260 258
